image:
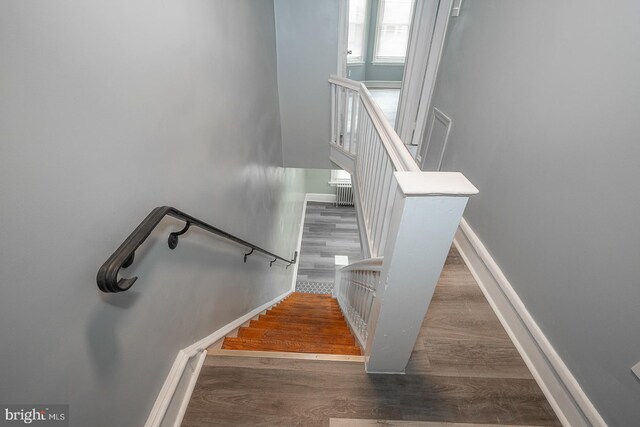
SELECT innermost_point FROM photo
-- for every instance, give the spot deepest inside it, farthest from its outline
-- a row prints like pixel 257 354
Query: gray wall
pixel 108 109
pixel 545 100
pixel 307 34
pixel 357 71
pixel 369 71
pixel 317 181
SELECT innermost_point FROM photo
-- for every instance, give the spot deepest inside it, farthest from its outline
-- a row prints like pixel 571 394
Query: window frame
pixel 388 60
pixel 361 60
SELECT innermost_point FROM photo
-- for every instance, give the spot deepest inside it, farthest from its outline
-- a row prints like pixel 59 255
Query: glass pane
pixel 393 30
pixel 357 26
pixel 397 12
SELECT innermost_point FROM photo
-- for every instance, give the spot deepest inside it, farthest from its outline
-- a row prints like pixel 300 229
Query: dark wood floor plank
pixel 351 422
pixel 334 367
pixel 318 396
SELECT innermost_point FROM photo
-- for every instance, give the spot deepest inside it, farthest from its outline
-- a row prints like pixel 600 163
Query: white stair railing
pixel 361 130
pixel 407 218
pixel 356 293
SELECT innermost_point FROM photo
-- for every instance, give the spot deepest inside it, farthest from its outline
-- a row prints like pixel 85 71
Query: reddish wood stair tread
pixel 307 312
pixel 318 329
pixel 288 346
pixel 320 317
pixel 293 335
pixel 311 309
pixel 302 319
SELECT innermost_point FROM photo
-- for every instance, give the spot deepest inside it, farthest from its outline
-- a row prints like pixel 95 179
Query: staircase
pixel 302 323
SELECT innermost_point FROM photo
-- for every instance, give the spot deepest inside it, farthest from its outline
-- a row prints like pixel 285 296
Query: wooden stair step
pixel 291 346
pixel 319 329
pixel 302 320
pixel 314 307
pixel 284 335
pixel 320 314
pixel 329 302
pixel 302 295
pixel 314 311
pixel 306 313
pixel 309 305
pixel 313 320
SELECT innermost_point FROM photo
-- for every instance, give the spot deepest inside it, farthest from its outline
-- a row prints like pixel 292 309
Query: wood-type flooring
pixel 464 369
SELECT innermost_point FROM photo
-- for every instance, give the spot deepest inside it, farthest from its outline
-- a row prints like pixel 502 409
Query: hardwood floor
pixel 302 323
pixel 328 231
pixel 350 422
pixel 464 369
pixel 387 100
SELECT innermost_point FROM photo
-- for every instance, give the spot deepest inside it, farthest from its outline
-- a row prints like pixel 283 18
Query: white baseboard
pixel 175 413
pixel 173 399
pixel 571 404
pixel 319 197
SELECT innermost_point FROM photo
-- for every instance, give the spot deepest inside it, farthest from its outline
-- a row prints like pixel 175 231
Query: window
pixel 392 30
pixel 357 27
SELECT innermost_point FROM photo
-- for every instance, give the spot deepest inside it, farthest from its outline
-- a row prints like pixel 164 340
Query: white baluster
pixel 354 121
pixel 332 138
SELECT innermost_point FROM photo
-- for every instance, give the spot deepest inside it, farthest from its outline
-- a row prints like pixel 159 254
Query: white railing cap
pixel 369 264
pixel 400 156
pixel 341 81
pixel 434 184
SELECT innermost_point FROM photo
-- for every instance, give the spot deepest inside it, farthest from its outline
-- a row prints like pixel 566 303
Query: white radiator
pixel 341 180
pixel 344 194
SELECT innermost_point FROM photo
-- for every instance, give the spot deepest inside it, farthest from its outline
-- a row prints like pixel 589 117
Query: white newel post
pixel 340 261
pixel 427 209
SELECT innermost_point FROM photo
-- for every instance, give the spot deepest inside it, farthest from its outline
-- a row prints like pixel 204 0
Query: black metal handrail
pixel 123 256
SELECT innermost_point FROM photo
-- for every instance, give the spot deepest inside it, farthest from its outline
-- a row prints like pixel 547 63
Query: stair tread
pixel 280 334
pixel 303 320
pixel 292 346
pixel 309 304
pixel 311 307
pixel 314 307
pixel 304 315
pixel 328 329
